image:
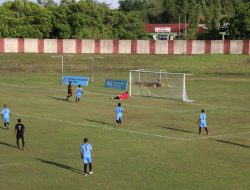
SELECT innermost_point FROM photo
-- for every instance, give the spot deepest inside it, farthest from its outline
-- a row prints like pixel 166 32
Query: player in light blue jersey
pixel 202 121
pixel 86 153
pixel 119 111
pixel 6 116
pixel 79 92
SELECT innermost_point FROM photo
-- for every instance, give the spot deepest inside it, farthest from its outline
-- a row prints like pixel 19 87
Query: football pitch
pixel 157 147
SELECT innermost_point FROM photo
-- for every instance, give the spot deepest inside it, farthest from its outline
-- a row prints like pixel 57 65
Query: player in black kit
pixel 19 131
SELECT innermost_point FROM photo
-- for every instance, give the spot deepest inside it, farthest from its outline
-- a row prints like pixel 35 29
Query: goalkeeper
pixel 122 96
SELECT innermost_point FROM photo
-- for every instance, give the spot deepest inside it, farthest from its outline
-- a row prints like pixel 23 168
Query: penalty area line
pixel 222 135
pixel 103 126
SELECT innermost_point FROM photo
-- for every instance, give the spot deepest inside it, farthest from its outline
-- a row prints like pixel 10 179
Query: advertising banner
pixel 116 84
pixel 76 80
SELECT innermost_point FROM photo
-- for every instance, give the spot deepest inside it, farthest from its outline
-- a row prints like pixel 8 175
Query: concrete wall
pixel 31 46
pixel 236 47
pixel 50 46
pixel 180 46
pixel 171 47
pixel 217 47
pixel 88 46
pixel 125 46
pixel 161 47
pixel 198 47
pixel 11 45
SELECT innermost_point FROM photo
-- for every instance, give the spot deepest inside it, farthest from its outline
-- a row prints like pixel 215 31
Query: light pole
pixel 62 63
pixel 179 24
pixel 184 21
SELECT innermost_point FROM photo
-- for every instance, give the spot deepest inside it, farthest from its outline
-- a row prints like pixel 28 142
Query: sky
pixel 113 3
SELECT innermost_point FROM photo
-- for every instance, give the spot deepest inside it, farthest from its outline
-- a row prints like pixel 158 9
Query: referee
pixel 19 131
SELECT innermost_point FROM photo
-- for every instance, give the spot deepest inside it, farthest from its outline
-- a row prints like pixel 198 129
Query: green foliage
pixel 90 19
pixel 24 19
pixel 70 19
pixel 193 20
pixel 240 24
pixel 212 13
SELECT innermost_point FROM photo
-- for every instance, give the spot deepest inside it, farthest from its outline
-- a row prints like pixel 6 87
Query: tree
pixel 240 24
pixel 216 15
pixel 193 20
pixel 24 19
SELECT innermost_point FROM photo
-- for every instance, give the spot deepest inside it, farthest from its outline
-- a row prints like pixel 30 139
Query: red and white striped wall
pixel 171 47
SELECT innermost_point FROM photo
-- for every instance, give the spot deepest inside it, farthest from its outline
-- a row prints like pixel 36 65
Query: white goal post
pixel 158 84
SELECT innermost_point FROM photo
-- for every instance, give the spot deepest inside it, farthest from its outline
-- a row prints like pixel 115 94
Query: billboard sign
pixel 162 29
pixel 116 84
pixel 76 80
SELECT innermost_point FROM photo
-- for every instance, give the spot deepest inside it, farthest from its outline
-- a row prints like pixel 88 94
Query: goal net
pixel 158 84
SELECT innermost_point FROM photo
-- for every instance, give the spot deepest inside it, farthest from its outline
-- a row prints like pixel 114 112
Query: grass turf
pixel 157 146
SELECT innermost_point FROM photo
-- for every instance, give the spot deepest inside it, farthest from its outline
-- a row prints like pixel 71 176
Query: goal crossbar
pixel 158 84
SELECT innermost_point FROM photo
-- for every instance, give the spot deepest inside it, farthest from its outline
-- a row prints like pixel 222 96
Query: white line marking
pixel 102 126
pixel 223 135
pixel 10 164
pixel 131 131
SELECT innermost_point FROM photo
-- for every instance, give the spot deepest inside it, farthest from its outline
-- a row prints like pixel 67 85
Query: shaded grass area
pixel 197 64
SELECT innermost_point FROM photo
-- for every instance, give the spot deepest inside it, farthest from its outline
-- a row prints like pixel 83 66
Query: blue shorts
pixel 87 160
pixel 6 119
pixel 118 118
pixel 78 95
pixel 203 124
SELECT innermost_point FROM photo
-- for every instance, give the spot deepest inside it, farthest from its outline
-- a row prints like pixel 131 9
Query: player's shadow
pixel 232 143
pixel 176 129
pixel 58 98
pixel 100 122
pixel 64 166
pixel 7 144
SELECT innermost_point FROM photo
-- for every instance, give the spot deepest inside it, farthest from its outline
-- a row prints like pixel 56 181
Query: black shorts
pixel 119 121
pixel 18 136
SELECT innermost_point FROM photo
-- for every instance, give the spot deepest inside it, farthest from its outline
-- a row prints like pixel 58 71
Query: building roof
pixel 171 27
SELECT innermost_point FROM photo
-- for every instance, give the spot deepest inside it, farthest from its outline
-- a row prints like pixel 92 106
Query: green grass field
pixel 158 146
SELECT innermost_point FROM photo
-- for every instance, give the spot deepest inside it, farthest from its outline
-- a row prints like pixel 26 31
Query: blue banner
pixel 116 84
pixel 75 80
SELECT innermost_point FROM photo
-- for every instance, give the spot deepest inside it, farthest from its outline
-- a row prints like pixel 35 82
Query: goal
pixel 158 84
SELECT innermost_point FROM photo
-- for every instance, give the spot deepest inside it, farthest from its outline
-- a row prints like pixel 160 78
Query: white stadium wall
pixel 88 46
pixel 142 46
pixel 106 46
pixel 217 47
pixel 198 47
pixel 236 46
pixel 69 46
pixel 50 46
pixel 125 46
pixel 171 47
pixel 31 46
pixel 161 47
pixel 180 46
pixel 11 45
